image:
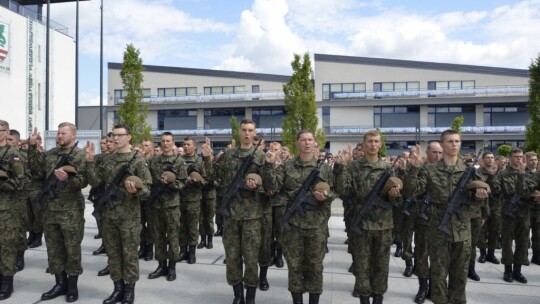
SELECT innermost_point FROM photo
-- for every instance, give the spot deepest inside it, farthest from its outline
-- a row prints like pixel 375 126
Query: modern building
pixel 23 33
pixel 409 101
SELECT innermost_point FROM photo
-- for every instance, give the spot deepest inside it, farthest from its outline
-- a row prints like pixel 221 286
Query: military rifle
pixel 159 188
pixel 372 200
pixel 515 202
pixel 407 204
pixel 456 200
pixel 4 166
pixel 301 197
pixel 112 191
pixel 425 204
pixel 237 184
pixel 52 182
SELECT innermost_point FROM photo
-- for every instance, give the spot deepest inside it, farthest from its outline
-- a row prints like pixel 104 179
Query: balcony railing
pixel 358 130
pixel 478 91
pixel 30 13
pixel 267 95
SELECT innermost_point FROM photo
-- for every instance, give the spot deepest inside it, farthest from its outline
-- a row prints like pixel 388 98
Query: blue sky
pixel 262 35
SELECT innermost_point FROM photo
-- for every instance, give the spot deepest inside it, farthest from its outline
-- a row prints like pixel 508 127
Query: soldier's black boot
pixel 100 250
pixel 364 299
pixel 482 257
pixel 59 289
pixel 490 257
pixel 129 294
pixel 428 296
pixel 517 274
pixel 507 276
pixel 202 244
pixel 279 258
pixel 314 298
pixel 421 295
pixel 191 256
pixel 408 268
pixel 250 295
pixel 263 281
pixel 183 254
pixel 377 298
pixel 20 260
pixel 171 271
pixel 472 272
pixel 238 294
pixel 219 231
pixel 103 272
pixel 31 236
pixel 118 293
pixel 36 242
pixel 6 289
pixel 297 298
pixel 72 294
pixel 399 250
pixel 536 257
pixel 160 271
pixel 142 251
pixel 149 254
pixel 209 244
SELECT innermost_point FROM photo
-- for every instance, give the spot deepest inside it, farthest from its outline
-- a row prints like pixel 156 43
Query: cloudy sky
pixel 262 35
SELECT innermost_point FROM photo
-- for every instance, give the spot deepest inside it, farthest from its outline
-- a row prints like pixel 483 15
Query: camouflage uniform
pixel 208 209
pixel 515 219
pixel 304 244
pixel 165 210
pixel 279 203
pixel 96 191
pixel 526 185
pixel 242 230
pixel 190 204
pixel 121 225
pixel 9 221
pixel 449 256
pixel 492 225
pixel 33 185
pixel 371 251
pixel 265 252
pixel 63 216
pixel 22 210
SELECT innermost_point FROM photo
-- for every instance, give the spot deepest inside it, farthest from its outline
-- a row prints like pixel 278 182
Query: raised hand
pixel 206 148
pixel 344 156
pixel 89 151
pixel 415 158
pixel 34 136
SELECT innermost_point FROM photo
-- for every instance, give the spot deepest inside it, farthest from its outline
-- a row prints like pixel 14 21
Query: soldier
pixel 279 203
pixel 242 229
pixel 371 250
pixel 434 153
pixel 492 226
pixel 532 164
pixel 190 205
pixel 449 255
pixel 11 181
pixel 95 191
pixel 304 243
pixel 13 140
pixel 515 218
pixel 35 217
pixel 169 178
pixel 121 224
pixel 64 214
pixel 146 247
pixel 399 231
pixel 208 211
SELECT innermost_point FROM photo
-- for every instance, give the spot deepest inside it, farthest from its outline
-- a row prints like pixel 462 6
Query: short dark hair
pixel 449 132
pixel 485 154
pixel 301 132
pixel 15 133
pixel 190 138
pixel 122 126
pixel 515 151
pixel 247 121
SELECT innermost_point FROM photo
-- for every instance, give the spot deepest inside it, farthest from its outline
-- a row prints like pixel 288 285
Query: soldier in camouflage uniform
pixel 63 215
pixel 146 248
pixel 371 251
pixel 208 211
pixel 242 229
pixel 515 219
pixel 304 244
pixel 121 225
pixel 449 255
pixel 492 225
pixel 532 164
pixel 35 217
pixel 11 181
pixel 96 191
pixel 405 225
pixel 22 196
pixel 190 205
pixel 169 174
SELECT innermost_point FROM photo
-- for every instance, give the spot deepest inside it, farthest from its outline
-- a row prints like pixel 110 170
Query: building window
pixel 330 89
pixel 444 115
pixel 396 116
pixel 118 94
pixel 451 85
pixel 396 86
pixel 268 117
pixel 177 119
pixel 181 91
pixel 220 118
pixel 219 90
pixel 497 115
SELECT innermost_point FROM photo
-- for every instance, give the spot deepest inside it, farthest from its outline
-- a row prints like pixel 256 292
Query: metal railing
pixel 265 95
pixel 30 13
pixel 478 91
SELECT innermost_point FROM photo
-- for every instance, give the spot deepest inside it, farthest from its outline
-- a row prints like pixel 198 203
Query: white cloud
pixel 89 99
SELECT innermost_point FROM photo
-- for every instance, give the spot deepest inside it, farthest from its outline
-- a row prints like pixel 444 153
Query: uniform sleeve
pixel 342 180
pixel 415 182
pixel 142 171
pixel 36 162
pixel 79 180
pixel 15 179
pixel 273 177
pixel 181 178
